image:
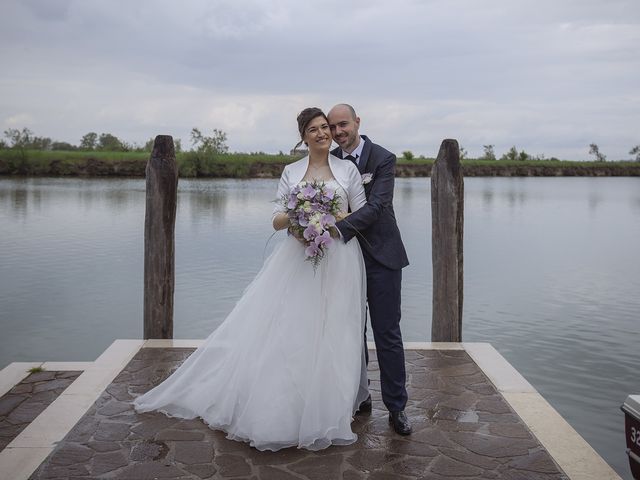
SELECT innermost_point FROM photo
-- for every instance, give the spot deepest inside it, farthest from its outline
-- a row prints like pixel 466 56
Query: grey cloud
pixel 542 75
pixel 47 10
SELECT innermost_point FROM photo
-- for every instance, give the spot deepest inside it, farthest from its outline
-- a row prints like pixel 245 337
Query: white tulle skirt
pixel 286 368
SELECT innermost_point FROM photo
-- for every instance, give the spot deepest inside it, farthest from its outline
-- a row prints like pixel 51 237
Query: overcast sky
pixel 548 76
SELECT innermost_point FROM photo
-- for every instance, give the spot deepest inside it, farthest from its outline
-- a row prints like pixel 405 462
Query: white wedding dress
pixel 286 368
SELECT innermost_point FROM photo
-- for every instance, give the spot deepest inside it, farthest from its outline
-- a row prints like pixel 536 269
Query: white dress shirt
pixel 357 152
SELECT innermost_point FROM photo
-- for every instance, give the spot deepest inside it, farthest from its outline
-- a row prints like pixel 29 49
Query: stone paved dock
pixel 465 427
pixel 24 402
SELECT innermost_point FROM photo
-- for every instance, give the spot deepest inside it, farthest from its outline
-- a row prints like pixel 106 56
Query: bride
pixel 286 368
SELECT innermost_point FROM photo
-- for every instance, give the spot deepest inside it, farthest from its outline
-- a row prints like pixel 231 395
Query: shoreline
pixel 104 164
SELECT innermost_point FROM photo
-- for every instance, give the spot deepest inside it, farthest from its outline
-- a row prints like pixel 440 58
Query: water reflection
pixel 17 198
pixel 405 191
pixel 19 201
pixel 487 199
pixel 35 195
pixel 594 200
pixel 515 198
pixel 551 274
pixel 120 199
pixel 197 203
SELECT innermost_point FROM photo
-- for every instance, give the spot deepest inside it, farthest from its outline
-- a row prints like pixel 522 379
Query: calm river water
pixel 552 275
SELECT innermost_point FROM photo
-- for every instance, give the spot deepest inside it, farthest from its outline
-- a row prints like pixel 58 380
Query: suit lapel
pixel 366 151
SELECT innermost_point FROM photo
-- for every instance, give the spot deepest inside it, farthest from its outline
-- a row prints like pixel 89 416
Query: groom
pixel 384 255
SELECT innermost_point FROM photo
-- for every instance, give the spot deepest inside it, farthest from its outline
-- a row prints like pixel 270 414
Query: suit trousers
pixel 383 299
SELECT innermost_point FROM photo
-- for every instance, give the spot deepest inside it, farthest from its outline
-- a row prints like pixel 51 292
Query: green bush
pixel 407 155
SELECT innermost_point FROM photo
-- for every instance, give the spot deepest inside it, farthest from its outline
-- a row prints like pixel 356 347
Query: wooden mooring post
pixel 159 239
pixel 447 215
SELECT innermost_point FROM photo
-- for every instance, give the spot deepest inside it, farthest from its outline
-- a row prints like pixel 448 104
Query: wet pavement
pixel 24 402
pixel 463 429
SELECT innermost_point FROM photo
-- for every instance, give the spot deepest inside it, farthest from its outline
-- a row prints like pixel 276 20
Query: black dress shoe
pixel 400 423
pixel 365 406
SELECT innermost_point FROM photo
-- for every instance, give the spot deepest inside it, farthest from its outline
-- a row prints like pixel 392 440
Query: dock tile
pixel 574 455
pixel 21 405
pixel 92 381
pixel 426 346
pixel 14 373
pixel 151 471
pixel 172 343
pixel 501 373
pixel 19 463
pixel 65 366
pixel 118 354
pixel 107 462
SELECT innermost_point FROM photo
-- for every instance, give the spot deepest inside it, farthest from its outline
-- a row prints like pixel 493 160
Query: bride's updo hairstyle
pixel 304 118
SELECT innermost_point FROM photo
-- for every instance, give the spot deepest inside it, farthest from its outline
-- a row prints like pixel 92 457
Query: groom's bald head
pixel 345 106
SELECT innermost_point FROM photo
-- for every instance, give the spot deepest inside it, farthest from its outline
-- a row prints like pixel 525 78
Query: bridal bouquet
pixel 312 208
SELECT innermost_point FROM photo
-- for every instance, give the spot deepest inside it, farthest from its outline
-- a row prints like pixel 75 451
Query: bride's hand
pixel 292 231
pixel 334 232
pixel 341 216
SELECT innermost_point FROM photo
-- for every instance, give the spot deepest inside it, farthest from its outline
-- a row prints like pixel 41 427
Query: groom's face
pixel 344 128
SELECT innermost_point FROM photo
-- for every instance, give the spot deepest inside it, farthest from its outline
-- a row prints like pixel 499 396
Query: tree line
pixel 106 142
pixel 514 155
pixel 217 143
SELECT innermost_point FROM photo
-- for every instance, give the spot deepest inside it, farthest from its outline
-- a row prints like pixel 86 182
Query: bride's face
pixel 318 134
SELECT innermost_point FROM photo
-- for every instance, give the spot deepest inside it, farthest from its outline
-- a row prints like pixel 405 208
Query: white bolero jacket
pixel 345 173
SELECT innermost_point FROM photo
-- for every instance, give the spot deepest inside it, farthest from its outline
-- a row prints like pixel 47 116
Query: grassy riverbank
pixel 260 165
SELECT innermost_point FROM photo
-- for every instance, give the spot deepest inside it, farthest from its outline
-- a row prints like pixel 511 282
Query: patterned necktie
pixel 353 159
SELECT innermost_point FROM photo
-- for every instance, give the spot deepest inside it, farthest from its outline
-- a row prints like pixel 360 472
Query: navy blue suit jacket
pixel 374 225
